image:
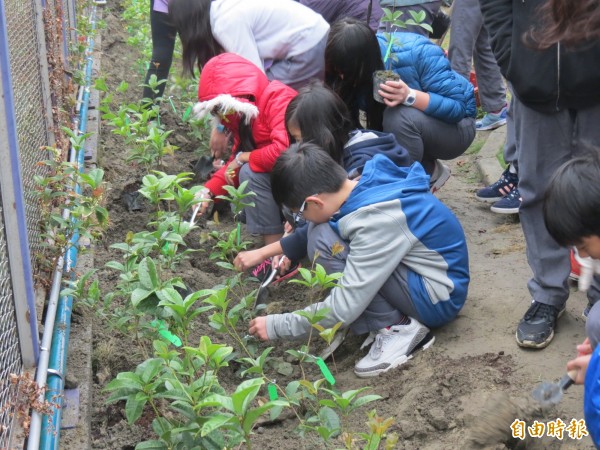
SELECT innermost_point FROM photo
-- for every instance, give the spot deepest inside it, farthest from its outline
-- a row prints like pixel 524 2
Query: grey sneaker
pixel 491 121
pixel 439 176
pixel 393 346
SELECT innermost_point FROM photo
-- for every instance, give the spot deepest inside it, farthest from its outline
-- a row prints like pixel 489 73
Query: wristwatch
pixel 411 98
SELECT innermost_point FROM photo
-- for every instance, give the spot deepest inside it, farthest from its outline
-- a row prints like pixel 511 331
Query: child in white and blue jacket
pixel 404 258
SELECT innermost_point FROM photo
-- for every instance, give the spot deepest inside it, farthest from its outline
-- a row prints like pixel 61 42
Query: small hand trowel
pixel 261 295
pixel 549 394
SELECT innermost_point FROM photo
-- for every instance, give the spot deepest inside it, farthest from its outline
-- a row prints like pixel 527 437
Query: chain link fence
pixel 37 41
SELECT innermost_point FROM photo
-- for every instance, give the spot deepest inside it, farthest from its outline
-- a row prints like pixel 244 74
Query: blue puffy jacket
pixel 422 65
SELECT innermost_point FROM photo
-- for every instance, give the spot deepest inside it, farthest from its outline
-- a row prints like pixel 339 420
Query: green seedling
pixel 393 20
pixel 137 388
pixel 181 311
pixel 237 412
pixel 160 187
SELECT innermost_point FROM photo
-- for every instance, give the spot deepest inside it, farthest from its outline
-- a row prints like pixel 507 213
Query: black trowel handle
pixel 567 380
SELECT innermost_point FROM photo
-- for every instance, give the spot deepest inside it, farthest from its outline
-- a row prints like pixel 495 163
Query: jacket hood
pixel 357 154
pixel 382 181
pixel 230 85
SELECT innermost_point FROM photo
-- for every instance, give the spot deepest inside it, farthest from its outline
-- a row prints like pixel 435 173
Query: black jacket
pixel 545 80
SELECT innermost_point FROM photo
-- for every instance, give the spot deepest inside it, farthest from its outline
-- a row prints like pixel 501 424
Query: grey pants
pixel 544 142
pixel 510 147
pixel 469 41
pixel 264 217
pixel 427 138
pixel 430 9
pixel 299 70
pixel 391 302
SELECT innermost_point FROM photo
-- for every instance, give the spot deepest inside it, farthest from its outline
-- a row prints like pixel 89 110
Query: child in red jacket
pixel 241 98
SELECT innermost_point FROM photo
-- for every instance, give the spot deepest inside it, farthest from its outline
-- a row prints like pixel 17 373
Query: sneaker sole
pixel 440 182
pixel 573 277
pixel 493 126
pixel 425 343
pixel 504 210
pixel 533 344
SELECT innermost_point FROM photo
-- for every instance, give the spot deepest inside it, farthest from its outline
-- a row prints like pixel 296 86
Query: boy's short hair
pixel 572 200
pixel 303 170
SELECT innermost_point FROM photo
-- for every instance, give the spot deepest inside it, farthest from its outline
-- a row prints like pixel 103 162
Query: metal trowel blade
pixel 547 394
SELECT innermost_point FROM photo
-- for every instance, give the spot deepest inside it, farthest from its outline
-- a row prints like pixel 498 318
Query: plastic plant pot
pixel 380 77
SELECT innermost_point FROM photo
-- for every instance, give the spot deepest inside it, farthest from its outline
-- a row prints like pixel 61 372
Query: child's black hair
pixel 322 117
pixel 572 200
pixel 352 55
pixel 191 19
pixel 303 170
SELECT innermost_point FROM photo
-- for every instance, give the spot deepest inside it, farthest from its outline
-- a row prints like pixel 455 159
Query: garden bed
pixel 434 399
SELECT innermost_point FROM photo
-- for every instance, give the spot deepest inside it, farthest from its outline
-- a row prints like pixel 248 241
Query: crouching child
pixel 405 263
pixel 572 216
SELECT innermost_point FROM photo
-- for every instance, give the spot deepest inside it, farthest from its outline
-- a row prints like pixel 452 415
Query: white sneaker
pixel 439 176
pixel 393 347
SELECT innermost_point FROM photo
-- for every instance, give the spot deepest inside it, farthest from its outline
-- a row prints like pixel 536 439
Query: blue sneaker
pixel 509 204
pixel 497 191
pixel 491 121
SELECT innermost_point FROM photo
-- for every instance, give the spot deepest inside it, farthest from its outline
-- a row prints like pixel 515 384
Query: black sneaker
pixel 536 328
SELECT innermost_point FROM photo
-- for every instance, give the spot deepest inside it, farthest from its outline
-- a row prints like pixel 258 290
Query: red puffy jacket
pixel 229 75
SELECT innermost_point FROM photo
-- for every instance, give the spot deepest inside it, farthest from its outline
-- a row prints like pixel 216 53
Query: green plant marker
pixel 186 114
pixel 164 332
pixel 273 395
pixel 325 371
pixel 165 249
pixel 387 52
pixel 173 105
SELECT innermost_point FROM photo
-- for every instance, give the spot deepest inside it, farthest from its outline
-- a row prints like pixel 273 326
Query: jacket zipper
pixel 557 74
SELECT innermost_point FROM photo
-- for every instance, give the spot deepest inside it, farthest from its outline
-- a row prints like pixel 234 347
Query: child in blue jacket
pixel 405 265
pixel 431 110
pixel 572 216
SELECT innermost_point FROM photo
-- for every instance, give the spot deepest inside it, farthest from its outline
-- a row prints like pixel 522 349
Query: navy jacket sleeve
pixel 294 245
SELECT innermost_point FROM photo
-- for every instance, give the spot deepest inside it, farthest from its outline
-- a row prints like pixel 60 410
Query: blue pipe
pixel 50 434
pixel 13 146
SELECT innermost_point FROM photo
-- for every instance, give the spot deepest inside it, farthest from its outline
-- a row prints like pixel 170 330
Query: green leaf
pixel 147 274
pixel 151 445
pixel 138 295
pixel 214 423
pixel 217 400
pixel 127 380
pixel 162 427
pixel 329 418
pixel 100 84
pixel 252 415
pixel 366 399
pixel 134 407
pixel 151 368
pixel 244 394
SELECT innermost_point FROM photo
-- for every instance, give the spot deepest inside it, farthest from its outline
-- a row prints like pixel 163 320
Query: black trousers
pixel 163 44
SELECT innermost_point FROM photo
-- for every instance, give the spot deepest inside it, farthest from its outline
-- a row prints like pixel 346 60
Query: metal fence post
pixel 13 203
